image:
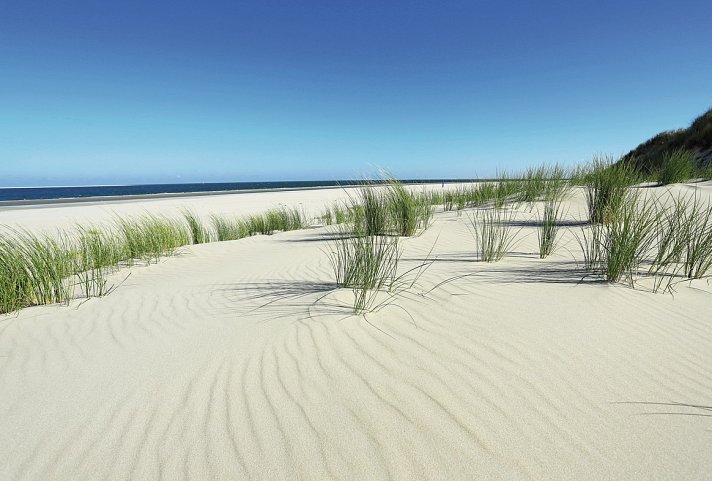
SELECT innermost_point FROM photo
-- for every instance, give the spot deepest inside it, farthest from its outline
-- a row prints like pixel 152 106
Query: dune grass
pixel 280 219
pixel 693 236
pixel 607 184
pixel 408 211
pixel 548 228
pixel 366 264
pixel 285 219
pixel 542 183
pixel 151 237
pixel 199 233
pixel 56 268
pixel 50 269
pixel 365 253
pixel 617 249
pixel 672 242
pixel 493 232
pixel 48 265
pixel 388 209
pixel 336 213
pixel 227 229
pixel 590 242
pixel 96 254
pixel 15 284
pixel 370 211
pixel 677 166
pixel 480 194
pixel 627 239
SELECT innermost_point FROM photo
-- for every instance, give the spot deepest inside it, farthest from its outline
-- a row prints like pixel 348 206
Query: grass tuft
pixel 199 234
pixel 677 166
pixel 607 184
pixel 493 232
pixel 549 227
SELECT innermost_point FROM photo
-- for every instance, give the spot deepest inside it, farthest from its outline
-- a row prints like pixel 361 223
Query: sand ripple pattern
pixel 239 361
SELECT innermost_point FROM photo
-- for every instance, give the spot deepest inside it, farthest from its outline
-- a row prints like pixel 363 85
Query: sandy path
pixel 235 360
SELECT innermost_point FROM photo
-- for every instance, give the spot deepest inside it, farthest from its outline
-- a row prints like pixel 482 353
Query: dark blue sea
pixel 55 193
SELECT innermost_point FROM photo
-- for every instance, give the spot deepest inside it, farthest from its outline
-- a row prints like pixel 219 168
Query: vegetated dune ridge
pixel 236 360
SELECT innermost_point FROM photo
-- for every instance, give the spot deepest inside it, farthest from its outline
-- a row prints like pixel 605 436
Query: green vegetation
pixel 409 212
pixel 199 234
pixel 228 229
pixel 366 264
pixel 55 269
pixel 48 264
pixel 671 241
pixel 493 232
pixel 14 281
pixel 281 219
pixel 677 166
pixel 370 211
pixel 648 158
pixel 693 236
pixel 151 237
pixel 388 209
pixel 627 237
pixel 549 227
pixel 542 183
pixel 606 185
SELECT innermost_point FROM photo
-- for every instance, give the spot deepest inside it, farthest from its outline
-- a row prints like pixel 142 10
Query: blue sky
pixel 180 91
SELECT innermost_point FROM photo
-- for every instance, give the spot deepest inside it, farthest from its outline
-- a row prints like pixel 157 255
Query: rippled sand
pixel 238 360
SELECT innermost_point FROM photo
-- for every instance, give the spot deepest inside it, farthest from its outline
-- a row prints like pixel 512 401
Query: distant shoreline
pixel 164 195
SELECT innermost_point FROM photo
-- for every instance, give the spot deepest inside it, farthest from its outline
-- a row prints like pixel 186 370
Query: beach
pixel 241 360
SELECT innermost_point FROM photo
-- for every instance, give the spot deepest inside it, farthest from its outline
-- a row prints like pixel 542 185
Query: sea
pixel 35 194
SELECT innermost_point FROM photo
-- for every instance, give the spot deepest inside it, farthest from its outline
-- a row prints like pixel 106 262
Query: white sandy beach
pixel 238 361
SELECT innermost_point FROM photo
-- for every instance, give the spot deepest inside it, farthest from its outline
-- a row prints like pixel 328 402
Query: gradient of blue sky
pixel 225 91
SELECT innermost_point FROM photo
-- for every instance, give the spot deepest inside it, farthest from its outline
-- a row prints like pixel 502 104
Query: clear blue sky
pixel 225 91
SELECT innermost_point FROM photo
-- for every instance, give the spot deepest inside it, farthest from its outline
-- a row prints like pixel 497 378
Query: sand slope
pixel 236 360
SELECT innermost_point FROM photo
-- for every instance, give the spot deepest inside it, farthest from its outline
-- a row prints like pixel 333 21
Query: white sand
pixel 50 217
pixel 234 360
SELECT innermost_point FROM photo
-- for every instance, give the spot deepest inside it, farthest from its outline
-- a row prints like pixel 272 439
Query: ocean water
pixel 53 193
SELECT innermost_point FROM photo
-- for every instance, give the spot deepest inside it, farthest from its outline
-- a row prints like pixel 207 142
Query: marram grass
pixel 493 232
pixel 548 229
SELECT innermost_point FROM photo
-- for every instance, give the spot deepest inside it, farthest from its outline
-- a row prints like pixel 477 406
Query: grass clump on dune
pixel 284 219
pixel 627 240
pixel 408 211
pixel 671 241
pixel 493 232
pixel 96 253
pixel 693 236
pixel 48 265
pixel 281 219
pixel 46 269
pixel 334 214
pixel 14 281
pixel 366 264
pixel 677 166
pixel 542 183
pixel 51 269
pixel 228 229
pixel 606 186
pixel 370 211
pixel 199 233
pixel 151 237
pixel 617 249
pixel 549 227
pixel 389 209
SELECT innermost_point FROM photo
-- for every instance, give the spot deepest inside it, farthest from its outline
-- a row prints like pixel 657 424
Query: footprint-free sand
pixel 240 361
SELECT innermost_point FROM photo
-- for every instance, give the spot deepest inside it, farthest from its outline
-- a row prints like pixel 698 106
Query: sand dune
pixel 238 360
